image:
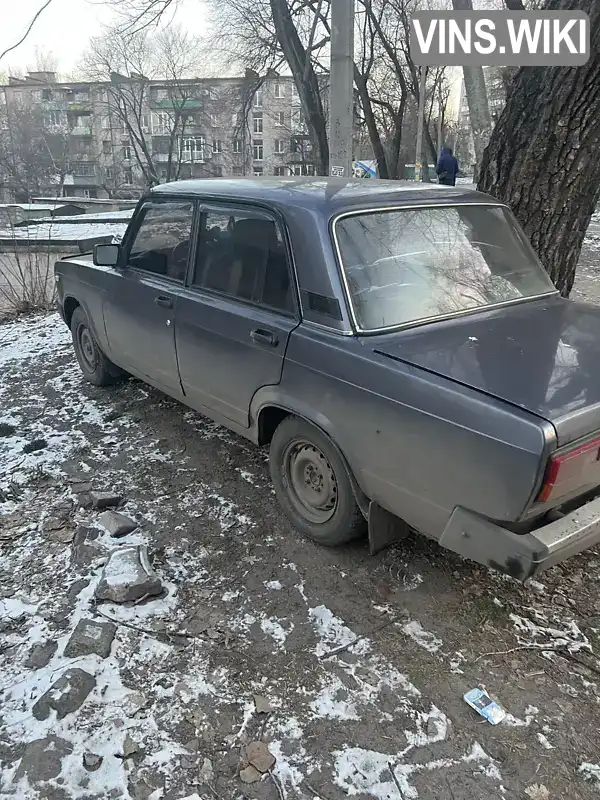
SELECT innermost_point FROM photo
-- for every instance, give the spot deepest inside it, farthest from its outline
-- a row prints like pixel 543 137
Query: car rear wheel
pixel 96 367
pixel 312 484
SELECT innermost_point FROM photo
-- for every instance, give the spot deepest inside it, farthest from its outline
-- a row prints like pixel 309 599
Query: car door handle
pixel 264 337
pixel 163 302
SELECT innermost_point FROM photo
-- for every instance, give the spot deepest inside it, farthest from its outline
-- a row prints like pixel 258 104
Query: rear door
pixel 140 307
pixel 238 310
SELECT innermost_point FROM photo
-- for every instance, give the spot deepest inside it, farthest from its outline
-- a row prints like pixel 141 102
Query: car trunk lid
pixel 541 355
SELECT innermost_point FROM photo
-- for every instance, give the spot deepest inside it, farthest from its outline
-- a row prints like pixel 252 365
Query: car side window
pixel 242 255
pixel 162 242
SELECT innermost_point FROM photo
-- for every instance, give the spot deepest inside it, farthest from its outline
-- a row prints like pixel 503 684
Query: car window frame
pixel 136 224
pixel 228 207
pixel 358 329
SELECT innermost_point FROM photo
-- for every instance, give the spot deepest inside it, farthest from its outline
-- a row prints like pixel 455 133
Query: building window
pixel 213 120
pixel 297 120
pixel 84 170
pixel 279 171
pixel 280 119
pixel 106 147
pixel 162 123
pixel 237 171
pixel 257 122
pixel 295 95
pixel 109 173
pixel 279 90
pixel 46 94
pixel 257 99
pixel 218 171
pixel 128 175
pixel 257 149
pixel 302 169
pixel 127 152
pixel 236 146
pixel 234 120
pixel 258 171
pixel 193 150
pixel 145 123
pixel 279 146
pixel 53 118
pixel 217 146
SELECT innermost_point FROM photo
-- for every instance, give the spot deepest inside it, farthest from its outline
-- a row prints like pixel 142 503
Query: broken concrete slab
pixel 65 695
pixel 128 576
pixel 250 774
pixel 83 552
pixel 90 637
pixel 117 524
pixel 102 500
pixel 259 756
pixel 41 654
pixel 81 487
pixel 42 760
pixel 92 762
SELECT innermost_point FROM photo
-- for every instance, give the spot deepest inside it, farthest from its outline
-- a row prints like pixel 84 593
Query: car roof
pixel 330 195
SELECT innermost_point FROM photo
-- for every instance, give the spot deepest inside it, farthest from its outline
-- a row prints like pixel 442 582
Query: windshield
pixel 402 266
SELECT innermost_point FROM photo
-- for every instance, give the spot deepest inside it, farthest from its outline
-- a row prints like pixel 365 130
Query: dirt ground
pixel 350 668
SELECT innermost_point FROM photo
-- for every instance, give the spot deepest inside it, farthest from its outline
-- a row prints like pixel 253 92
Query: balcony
pixel 81 130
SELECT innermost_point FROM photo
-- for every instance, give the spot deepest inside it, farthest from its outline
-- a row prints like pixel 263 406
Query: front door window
pixel 162 243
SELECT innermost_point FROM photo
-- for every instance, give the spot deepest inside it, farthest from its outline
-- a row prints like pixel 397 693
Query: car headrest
pixel 260 233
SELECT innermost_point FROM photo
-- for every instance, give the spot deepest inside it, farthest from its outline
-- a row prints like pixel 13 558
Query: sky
pixel 65 27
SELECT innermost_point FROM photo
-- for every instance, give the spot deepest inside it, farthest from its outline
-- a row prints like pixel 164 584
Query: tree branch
pixel 27 32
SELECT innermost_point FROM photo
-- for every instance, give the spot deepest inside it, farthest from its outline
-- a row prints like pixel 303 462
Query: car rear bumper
pixel 522 556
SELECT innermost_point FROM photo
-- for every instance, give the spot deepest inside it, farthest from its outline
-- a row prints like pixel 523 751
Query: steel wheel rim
pixel 311 482
pixel 87 348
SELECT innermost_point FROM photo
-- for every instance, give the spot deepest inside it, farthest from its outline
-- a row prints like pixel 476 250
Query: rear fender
pixel 270 396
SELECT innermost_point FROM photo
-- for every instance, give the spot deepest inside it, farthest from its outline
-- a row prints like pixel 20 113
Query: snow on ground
pixel 362 684
pixel 186 665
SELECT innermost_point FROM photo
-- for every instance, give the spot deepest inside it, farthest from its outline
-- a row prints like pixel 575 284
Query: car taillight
pixel 571 469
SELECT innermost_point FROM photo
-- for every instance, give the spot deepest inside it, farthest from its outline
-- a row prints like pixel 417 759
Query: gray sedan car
pixel 398 346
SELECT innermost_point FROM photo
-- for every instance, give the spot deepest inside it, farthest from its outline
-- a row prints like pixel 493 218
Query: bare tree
pixel 148 73
pixel 32 155
pixel 542 158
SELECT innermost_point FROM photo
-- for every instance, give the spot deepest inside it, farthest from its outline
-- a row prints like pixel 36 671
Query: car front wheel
pixel 312 484
pixel 96 367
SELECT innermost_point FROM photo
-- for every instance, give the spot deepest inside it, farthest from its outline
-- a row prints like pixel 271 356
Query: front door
pixel 139 310
pixel 236 315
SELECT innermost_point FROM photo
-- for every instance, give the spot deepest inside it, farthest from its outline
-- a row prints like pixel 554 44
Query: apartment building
pixel 115 138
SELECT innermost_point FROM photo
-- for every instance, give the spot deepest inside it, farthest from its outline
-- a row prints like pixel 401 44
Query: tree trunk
pixel 305 79
pixel 376 143
pixel 542 158
pixel 477 100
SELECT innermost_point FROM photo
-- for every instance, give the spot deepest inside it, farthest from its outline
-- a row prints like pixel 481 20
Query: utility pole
pixel 420 121
pixel 341 88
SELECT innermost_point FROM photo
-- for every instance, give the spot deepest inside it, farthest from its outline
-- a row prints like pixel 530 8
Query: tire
pixel 312 484
pixel 96 367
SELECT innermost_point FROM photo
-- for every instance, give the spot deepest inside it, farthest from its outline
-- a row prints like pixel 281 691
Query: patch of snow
pixel 543 740
pixel 273 628
pixel 423 638
pixel 333 633
pixel 273 585
pixel 511 721
pixel 591 772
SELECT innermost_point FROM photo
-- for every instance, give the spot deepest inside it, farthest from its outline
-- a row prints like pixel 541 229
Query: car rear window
pixel 406 265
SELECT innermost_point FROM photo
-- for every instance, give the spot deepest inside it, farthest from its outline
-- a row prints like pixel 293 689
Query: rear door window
pixel 242 255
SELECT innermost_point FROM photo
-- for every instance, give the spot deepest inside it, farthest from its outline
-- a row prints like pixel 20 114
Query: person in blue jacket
pixel 447 167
